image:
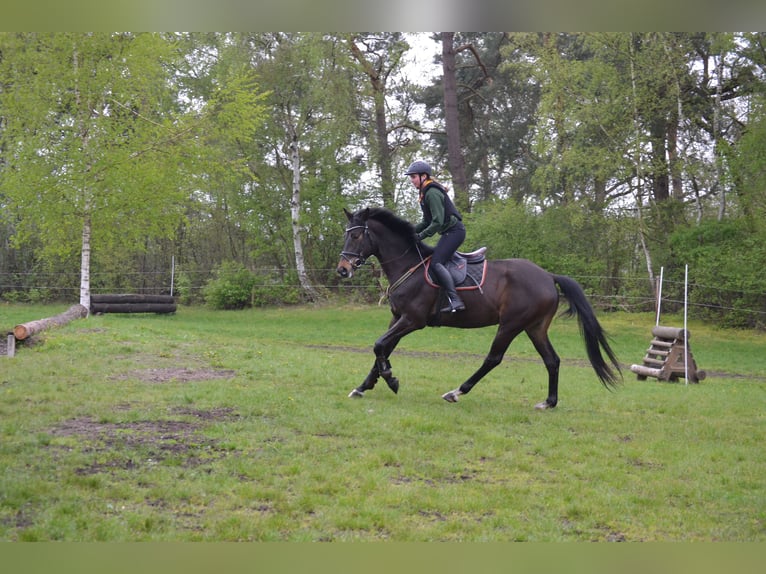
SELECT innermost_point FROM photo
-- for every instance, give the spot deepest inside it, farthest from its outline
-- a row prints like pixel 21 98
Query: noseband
pixel 356 260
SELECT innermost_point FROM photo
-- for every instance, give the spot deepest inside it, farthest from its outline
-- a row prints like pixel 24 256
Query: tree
pixel 90 139
pixel 380 56
pixel 217 78
pixel 307 161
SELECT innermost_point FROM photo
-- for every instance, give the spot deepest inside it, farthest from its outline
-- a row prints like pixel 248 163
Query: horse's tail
pixel 591 331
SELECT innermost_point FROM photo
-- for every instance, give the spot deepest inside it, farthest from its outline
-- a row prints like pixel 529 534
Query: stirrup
pixel 453 306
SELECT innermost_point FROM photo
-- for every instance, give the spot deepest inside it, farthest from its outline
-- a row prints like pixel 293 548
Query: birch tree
pixel 90 142
pixel 307 162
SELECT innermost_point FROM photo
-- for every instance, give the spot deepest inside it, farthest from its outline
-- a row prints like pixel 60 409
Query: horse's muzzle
pixel 349 262
pixel 344 270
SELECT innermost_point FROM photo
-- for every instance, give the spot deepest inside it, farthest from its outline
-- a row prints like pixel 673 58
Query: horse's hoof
pixel 355 394
pixel 451 397
pixel 544 406
pixel 393 384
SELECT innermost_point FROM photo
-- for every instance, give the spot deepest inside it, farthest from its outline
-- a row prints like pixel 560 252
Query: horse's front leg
pixel 367 384
pixel 381 367
pixel 383 348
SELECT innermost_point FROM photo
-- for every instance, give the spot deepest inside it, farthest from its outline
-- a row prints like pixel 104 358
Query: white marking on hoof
pixel 543 406
pixel 451 397
pixel 355 394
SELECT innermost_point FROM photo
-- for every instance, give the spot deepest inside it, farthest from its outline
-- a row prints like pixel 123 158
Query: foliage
pixel 276 289
pixel 89 133
pixel 565 239
pixel 580 149
pixel 727 271
pixel 231 288
pixel 235 287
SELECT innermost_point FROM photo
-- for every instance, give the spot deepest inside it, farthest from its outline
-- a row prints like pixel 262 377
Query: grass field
pixel 225 426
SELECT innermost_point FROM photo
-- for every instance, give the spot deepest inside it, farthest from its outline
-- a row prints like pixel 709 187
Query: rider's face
pixel 416 179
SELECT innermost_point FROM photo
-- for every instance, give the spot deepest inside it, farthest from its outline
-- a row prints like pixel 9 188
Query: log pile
pixel 129 303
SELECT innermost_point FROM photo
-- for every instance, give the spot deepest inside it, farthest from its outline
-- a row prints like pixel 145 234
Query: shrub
pixel 232 287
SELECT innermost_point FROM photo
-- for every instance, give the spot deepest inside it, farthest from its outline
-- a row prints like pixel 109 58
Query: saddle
pixel 467 269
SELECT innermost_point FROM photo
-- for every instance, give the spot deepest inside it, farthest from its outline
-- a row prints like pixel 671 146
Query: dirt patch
pixel 176 374
pixel 142 444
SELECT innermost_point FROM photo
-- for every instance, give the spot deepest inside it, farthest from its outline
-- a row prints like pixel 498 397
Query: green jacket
pixel 435 205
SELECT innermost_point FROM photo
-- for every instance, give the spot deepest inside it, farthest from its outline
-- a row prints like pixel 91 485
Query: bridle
pixel 356 260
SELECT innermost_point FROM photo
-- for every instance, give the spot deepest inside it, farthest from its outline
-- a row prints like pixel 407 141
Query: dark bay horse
pixel 516 294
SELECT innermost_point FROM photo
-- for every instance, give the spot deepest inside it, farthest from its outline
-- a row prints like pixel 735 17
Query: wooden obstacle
pixel 665 359
pixel 129 303
pixel 24 331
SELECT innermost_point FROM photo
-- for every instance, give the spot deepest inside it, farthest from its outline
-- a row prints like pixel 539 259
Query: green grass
pixel 226 426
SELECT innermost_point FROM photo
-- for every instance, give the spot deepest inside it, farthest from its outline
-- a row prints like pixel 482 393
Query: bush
pixel 232 287
pixel 184 289
pixel 726 271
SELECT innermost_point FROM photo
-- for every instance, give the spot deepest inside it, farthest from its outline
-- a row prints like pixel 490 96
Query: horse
pixel 515 294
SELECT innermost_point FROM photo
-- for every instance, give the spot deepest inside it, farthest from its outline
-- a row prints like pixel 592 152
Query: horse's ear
pixel 349 215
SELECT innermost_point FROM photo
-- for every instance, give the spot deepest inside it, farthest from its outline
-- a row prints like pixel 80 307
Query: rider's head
pixel 419 171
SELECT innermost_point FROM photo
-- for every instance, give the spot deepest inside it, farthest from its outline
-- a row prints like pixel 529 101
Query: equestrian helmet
pixel 419 166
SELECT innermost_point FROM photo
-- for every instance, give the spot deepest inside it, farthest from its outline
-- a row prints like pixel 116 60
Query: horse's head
pixel 358 245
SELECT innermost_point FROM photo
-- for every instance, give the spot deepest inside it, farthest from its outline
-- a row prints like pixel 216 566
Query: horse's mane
pixel 392 221
pixel 399 226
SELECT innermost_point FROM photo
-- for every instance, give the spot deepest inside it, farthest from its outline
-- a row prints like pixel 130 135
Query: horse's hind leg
pixel 539 337
pixel 505 334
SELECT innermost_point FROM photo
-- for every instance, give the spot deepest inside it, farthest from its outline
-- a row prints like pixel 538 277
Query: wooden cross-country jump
pixel 25 330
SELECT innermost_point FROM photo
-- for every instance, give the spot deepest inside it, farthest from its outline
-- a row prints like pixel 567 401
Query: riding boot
pixel 444 279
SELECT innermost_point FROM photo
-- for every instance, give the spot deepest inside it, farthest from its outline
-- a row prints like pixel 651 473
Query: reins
pixel 396 284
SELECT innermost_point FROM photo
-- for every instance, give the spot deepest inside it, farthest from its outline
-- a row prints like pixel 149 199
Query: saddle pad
pixel 466 277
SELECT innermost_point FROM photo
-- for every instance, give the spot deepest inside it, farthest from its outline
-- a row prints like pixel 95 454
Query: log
pixel 26 330
pixel 132 307
pixel 644 371
pixel 670 333
pixel 132 298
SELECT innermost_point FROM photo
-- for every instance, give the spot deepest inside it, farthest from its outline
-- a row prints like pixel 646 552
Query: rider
pixel 439 216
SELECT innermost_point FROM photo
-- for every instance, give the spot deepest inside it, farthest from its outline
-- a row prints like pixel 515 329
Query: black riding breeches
pixel 448 243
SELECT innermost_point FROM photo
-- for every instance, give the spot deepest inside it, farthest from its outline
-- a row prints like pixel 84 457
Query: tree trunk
pixel 454 149
pixel 717 138
pixel 26 330
pixel 85 261
pixel 295 211
pixel 383 153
